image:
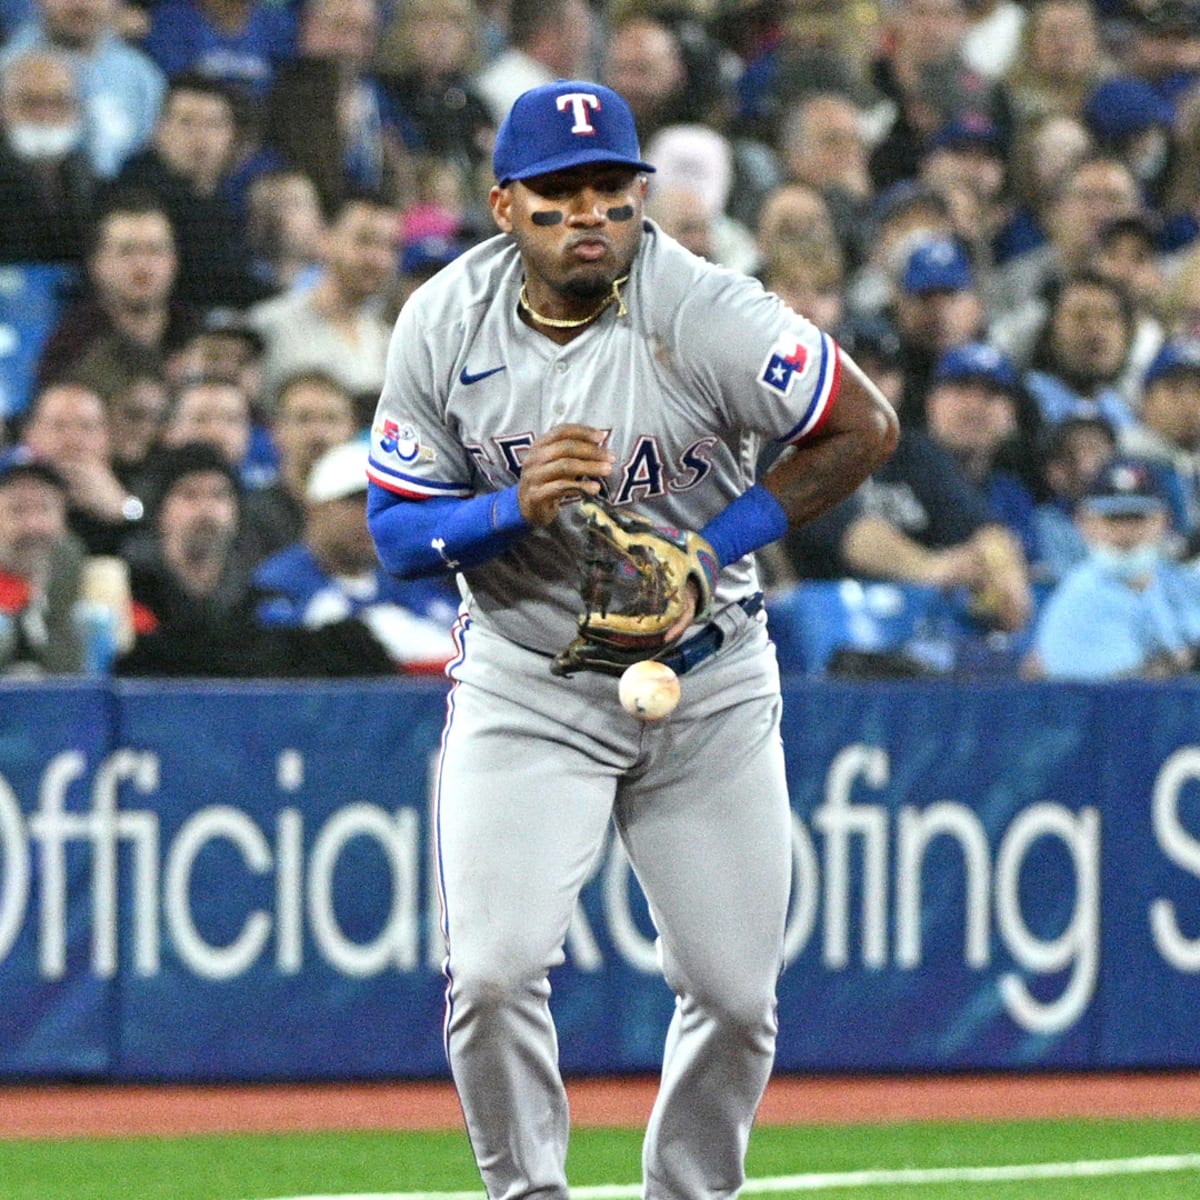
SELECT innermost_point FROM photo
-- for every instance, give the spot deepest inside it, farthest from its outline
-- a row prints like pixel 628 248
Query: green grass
pixel 254 1167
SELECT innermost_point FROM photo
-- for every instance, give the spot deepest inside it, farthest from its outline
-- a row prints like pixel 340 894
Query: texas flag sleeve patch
pixel 787 359
pixel 818 365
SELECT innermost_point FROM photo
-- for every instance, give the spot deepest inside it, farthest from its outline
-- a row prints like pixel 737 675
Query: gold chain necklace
pixel 556 323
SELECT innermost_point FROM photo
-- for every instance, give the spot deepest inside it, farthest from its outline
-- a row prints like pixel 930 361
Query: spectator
pixel 1130 121
pixel 922 72
pixel 428 57
pixel 790 213
pixel 784 51
pixel 1045 151
pixel 709 67
pixel 753 31
pixel 1097 191
pixel 976 412
pixel 1081 351
pixel 66 427
pixel 900 218
pixel 40 571
pixel 1167 433
pixel 1126 251
pixel 441 218
pixel 694 158
pixel 808 276
pixel 312 414
pixel 239 42
pixel 1128 610
pixel 121 88
pixel 966 164
pixel 136 409
pixel 1181 302
pixel 918 519
pixel 1181 193
pixel 191 587
pixel 336 325
pixel 683 213
pixel 1074 451
pixel 284 229
pixel 189 584
pixel 823 145
pixel 47 186
pixel 129 313
pixel 328 115
pixel 1162 46
pixel 644 62
pixel 1060 60
pixel 937 306
pixel 215 411
pixel 547 40
pixel 226 346
pixel 186 167
pixel 333 574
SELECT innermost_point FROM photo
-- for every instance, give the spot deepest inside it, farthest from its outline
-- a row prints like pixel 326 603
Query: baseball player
pixel 583 354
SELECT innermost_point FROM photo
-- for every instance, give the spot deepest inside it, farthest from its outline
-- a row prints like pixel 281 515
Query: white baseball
pixel 649 690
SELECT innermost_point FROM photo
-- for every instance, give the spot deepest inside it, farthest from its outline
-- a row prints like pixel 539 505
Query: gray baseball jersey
pixel 704 369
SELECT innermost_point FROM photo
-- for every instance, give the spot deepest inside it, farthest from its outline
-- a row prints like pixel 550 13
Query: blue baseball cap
pixel 565 124
pixel 1176 356
pixel 969 130
pixel 1124 487
pixel 901 197
pixel 427 255
pixel 976 362
pixel 1123 106
pixel 937 265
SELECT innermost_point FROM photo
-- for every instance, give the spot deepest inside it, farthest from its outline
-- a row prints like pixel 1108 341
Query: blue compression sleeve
pixel 415 538
pixel 753 520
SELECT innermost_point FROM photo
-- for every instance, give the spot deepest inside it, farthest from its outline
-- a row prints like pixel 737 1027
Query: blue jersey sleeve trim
pixel 753 520
pixel 416 538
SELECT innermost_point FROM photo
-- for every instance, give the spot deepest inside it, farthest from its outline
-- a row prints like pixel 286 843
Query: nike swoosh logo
pixel 467 378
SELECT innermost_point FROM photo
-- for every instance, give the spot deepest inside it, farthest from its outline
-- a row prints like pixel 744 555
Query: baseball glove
pixel 634 584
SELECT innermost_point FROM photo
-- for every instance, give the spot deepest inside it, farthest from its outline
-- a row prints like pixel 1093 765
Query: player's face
pixel 577 230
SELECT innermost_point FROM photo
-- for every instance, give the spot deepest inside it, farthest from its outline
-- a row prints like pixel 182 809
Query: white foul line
pixel 830 1181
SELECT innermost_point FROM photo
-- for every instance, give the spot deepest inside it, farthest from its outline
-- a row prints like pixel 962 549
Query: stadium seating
pixel 884 628
pixel 31 300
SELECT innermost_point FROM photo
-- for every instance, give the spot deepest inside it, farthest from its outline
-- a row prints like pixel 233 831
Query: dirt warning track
pixel 60 1110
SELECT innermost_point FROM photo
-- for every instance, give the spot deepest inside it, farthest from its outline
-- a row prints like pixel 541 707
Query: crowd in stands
pixel 212 210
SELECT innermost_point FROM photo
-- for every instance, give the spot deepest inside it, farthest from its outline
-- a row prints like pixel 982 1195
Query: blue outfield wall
pixel 233 882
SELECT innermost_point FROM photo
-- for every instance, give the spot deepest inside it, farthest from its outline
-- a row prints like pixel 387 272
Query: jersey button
pixel 561 367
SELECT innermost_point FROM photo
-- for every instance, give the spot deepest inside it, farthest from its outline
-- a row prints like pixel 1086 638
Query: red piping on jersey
pixel 397 490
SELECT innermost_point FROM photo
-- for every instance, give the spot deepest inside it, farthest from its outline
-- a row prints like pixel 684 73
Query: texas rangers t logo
pixel 579 103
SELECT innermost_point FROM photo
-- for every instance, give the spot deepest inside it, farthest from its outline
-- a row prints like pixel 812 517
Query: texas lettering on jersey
pixel 644 472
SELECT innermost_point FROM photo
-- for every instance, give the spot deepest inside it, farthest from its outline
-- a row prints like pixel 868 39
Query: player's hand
pixel 687 615
pixel 567 462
